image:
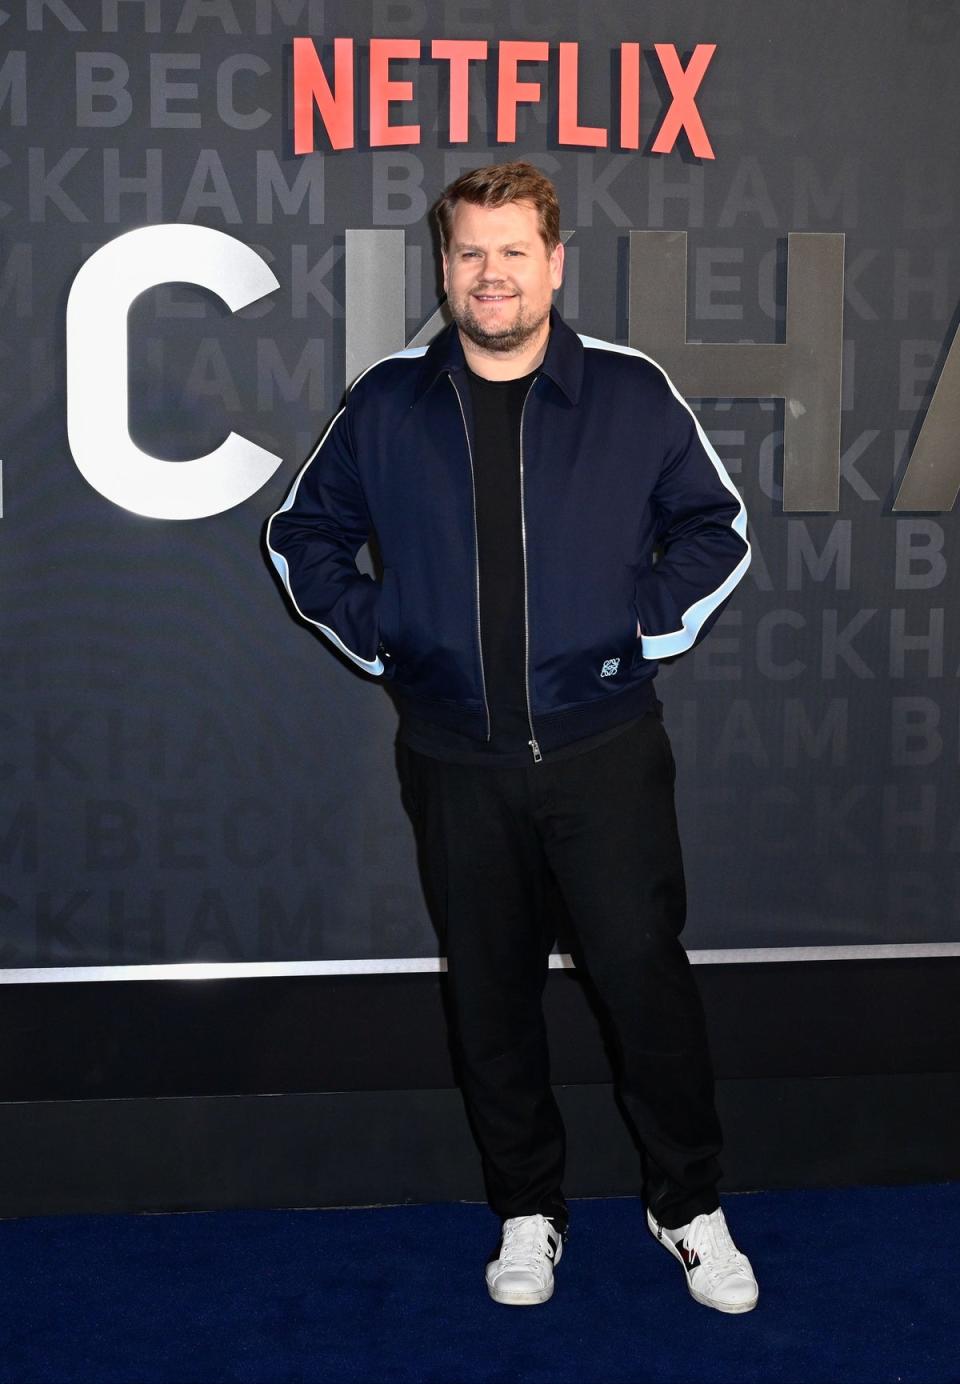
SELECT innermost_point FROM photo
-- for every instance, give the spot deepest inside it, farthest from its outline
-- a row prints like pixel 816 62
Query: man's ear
pixel 556 265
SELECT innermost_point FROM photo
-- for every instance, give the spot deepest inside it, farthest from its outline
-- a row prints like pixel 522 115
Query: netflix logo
pixel 330 96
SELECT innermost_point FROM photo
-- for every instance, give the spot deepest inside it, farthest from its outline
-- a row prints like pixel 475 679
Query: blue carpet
pixel 855 1285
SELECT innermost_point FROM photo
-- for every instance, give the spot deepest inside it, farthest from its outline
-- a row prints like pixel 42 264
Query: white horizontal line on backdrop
pixel 238 970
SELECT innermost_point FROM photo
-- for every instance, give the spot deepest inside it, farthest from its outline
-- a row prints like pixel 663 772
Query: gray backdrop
pixel 190 775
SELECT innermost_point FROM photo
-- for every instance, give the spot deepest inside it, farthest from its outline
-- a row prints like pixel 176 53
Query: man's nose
pixel 492 272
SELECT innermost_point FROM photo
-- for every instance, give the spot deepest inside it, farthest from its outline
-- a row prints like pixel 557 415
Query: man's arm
pixel 313 541
pixel 702 525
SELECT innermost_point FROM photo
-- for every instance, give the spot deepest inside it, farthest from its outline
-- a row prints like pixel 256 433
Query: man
pixel 517 476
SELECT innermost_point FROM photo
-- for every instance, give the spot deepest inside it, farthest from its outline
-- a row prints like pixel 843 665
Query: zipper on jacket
pixel 532 742
pixel 476 547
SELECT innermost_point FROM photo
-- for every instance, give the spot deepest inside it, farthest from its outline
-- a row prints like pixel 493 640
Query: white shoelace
pixel 523 1241
pixel 711 1238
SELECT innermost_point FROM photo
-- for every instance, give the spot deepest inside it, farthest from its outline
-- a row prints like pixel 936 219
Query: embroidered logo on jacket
pixel 610 667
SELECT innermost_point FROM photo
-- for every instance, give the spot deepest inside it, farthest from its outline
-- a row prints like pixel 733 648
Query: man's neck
pixel 500 365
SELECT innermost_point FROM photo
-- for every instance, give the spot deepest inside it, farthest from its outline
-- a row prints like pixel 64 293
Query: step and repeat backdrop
pixel 215 213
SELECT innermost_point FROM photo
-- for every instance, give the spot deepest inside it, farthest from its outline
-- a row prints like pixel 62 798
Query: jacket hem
pixel 557 728
pixel 553 729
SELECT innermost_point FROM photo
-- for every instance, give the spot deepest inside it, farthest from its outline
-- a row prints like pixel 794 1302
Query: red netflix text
pixel 316 92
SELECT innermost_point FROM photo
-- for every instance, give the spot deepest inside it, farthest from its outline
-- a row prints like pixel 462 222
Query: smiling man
pixel 519 477
pixel 499 280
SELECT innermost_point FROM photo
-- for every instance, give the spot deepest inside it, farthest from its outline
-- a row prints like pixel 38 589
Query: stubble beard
pixel 505 339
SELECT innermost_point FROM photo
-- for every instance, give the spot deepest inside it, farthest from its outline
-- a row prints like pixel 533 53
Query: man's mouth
pixel 494 297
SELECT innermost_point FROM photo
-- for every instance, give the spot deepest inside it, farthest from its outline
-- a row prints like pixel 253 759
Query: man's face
pixel 499 278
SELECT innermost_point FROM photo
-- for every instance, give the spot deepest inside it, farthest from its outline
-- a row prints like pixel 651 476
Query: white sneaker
pixel 523 1274
pixel 718 1274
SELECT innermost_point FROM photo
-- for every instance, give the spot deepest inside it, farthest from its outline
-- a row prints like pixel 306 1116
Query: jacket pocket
pixel 632 647
pixel 637 658
pixel 389 611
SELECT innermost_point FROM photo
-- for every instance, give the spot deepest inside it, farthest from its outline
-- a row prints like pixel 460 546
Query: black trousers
pixel 604 824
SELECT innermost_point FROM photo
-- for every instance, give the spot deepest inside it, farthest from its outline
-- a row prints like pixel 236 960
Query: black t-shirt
pixel 497 410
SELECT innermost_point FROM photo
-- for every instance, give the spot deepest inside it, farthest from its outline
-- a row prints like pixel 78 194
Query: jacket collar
pixel 563 361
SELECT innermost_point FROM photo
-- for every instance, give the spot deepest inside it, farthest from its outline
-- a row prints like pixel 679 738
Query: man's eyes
pixel 470 254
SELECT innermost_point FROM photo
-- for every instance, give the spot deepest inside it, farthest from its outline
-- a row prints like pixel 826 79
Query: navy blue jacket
pixel 612 463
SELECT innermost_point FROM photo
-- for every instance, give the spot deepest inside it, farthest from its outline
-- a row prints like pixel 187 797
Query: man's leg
pixel 484 873
pixel 610 834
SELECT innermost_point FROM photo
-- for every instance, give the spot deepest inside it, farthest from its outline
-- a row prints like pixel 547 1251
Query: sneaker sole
pixel 531 1299
pixel 733 1309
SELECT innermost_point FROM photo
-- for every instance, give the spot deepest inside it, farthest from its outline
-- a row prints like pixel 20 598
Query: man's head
pixel 502 256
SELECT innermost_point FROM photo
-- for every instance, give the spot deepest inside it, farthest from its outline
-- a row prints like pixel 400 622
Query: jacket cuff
pixel 353 624
pixel 661 621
